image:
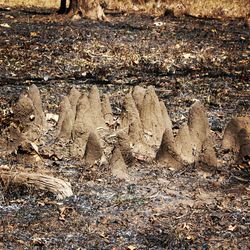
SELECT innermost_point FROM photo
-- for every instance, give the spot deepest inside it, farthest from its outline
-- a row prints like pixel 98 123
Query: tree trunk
pixel 63 8
pixel 85 8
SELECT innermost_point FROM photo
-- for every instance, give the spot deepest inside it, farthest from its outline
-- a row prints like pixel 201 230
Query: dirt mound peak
pixel 82 127
pixel 231 140
pixel 107 110
pixel 145 131
pixel 138 94
pixel 130 120
pixel 34 95
pixel 66 119
pixel 118 165
pixel 151 117
pixel 96 107
pixel 93 152
pixel 186 147
pixel 74 96
pixel 198 125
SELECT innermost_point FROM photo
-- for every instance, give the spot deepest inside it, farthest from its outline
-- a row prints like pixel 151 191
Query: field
pixel 157 207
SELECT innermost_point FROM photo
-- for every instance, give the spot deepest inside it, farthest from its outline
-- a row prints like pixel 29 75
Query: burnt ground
pixel 185 59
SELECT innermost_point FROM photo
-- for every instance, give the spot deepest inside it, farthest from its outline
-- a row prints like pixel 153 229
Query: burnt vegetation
pixel 69 86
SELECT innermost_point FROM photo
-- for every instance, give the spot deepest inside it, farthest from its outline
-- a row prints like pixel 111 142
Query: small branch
pixel 60 188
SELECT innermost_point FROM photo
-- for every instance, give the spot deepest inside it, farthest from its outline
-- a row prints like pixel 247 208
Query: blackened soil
pixel 185 59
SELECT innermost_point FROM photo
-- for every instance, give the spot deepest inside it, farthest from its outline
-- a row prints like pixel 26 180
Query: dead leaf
pixel 232 228
pixel 5 25
pixel 131 247
pixel 33 34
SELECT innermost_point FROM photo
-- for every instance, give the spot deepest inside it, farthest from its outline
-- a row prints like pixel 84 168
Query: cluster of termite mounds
pixel 89 131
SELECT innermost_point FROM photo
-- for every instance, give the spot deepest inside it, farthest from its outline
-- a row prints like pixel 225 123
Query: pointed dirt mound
pixel 25 119
pixel 82 127
pixel 168 153
pixel 24 113
pixel 96 108
pixel 151 117
pixel 107 110
pixel 34 95
pixel 66 120
pixel 123 144
pixel 244 140
pixel 208 154
pixel 138 95
pixel 186 147
pixel 183 144
pixel 166 119
pixel 198 126
pixel 230 139
pixel 93 152
pixel 118 166
pixel 74 96
pixel 130 120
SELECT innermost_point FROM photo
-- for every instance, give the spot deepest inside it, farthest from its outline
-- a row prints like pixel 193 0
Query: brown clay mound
pixel 231 140
pixel 82 127
pixel 96 108
pixel 138 95
pixel 151 118
pixel 130 120
pixel 168 153
pixel 34 95
pixel 66 120
pixel 107 110
pixel 93 152
pixel 198 126
pixel 139 137
pixel 186 148
pixel 117 164
pixel 74 96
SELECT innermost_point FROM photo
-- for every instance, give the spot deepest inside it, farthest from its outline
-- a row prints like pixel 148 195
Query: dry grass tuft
pixel 199 8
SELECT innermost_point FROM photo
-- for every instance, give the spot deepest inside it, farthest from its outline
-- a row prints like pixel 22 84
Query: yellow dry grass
pixel 202 8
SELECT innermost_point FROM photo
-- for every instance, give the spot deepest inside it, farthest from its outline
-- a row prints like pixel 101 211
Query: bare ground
pixel 185 59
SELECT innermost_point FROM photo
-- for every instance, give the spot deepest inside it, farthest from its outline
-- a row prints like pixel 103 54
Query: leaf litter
pixel 186 59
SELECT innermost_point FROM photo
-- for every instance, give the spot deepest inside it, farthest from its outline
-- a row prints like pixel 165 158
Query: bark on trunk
pixel 63 8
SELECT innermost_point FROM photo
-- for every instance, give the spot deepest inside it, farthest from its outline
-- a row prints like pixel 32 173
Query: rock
pixel 107 110
pixel 117 164
pixel 231 140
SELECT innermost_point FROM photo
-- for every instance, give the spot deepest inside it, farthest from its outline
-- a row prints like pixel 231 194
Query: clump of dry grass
pixel 201 8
